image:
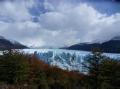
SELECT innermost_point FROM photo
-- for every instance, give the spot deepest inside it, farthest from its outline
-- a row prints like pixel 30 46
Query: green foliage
pixel 13 67
pixel 92 66
pixel 103 72
pixel 22 71
pixel 110 74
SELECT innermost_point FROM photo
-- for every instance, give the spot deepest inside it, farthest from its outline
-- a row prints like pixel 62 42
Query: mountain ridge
pixel 6 44
pixel 110 46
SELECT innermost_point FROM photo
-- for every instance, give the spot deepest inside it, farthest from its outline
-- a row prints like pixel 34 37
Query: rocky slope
pixel 8 44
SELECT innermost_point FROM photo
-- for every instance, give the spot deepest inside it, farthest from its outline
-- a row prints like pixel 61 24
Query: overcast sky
pixel 59 23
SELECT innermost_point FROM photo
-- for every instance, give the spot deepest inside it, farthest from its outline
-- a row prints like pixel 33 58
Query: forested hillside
pixel 23 71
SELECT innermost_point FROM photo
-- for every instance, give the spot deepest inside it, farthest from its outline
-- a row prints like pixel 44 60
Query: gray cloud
pixel 64 24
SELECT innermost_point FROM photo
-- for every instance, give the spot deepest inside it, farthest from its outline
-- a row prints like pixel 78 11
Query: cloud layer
pixel 41 23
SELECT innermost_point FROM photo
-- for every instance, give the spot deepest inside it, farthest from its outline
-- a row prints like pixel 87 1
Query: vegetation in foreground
pixel 23 71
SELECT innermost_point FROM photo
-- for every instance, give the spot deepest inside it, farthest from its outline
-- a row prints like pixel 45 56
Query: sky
pixel 59 23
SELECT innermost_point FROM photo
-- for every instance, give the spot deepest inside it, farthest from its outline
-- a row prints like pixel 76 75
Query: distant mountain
pixel 9 44
pixel 111 46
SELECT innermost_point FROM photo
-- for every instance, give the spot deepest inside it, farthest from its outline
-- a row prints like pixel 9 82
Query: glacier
pixel 65 59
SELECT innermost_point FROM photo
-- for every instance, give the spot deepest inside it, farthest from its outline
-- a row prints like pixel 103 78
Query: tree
pixel 13 67
pixel 101 72
pixel 92 66
pixel 110 74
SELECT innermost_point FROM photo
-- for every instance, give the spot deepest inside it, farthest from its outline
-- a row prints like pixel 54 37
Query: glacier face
pixel 65 59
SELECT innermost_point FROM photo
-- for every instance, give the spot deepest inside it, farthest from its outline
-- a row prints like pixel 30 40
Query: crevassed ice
pixel 65 59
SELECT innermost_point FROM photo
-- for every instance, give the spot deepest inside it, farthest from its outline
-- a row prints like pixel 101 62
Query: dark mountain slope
pixel 112 46
pixel 7 44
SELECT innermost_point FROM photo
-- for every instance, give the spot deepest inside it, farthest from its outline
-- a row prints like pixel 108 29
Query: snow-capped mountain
pixel 65 59
pixel 111 46
pixel 1 37
pixel 9 44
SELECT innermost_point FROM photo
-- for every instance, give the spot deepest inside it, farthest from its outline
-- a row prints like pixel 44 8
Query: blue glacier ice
pixel 65 59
